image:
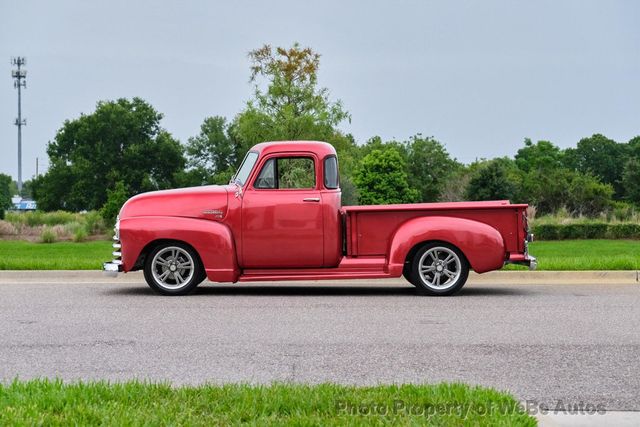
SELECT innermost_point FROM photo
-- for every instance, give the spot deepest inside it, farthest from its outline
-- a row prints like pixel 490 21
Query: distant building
pixel 20 204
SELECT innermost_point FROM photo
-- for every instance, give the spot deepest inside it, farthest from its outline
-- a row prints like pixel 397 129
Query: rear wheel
pixel 173 269
pixel 439 269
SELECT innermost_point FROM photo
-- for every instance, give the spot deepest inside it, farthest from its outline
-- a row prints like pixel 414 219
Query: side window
pixel 296 172
pixel 287 173
pixel 331 180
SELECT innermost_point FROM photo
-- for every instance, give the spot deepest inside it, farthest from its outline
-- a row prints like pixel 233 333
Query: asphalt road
pixel 541 342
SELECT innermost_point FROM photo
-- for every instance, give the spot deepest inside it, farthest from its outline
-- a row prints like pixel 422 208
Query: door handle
pixel 311 199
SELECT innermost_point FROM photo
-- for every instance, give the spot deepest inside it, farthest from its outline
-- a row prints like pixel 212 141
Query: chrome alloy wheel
pixel 172 267
pixel 440 268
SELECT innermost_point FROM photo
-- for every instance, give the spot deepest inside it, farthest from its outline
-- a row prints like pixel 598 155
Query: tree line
pixel 100 159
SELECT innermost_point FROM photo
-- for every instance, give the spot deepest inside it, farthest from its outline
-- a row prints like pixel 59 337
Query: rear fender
pixel 213 242
pixel 480 243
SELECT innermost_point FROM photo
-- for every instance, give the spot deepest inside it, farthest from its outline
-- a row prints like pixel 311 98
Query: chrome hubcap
pixel 172 267
pixel 440 268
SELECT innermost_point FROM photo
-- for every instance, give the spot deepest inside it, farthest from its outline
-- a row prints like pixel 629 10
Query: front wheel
pixel 173 269
pixel 439 269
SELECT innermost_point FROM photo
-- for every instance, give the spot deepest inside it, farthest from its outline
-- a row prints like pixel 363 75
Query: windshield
pixel 245 168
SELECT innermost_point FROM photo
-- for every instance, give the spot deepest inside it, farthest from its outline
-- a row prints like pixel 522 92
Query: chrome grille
pixel 117 246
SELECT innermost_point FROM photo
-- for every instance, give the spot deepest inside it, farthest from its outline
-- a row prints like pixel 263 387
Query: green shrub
pixel 73 227
pixel 48 235
pixel 58 218
pixel 80 235
pixel 586 230
pixel 115 200
pixel 596 230
pixel 94 223
pixel 36 218
pixel 546 231
pixel 6 228
pixel 589 230
pixel 624 231
pixel 622 211
pixel 91 222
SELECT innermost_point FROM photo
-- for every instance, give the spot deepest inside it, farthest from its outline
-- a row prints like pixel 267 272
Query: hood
pixel 207 202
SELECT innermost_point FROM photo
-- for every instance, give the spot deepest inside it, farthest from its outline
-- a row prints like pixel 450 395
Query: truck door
pixel 282 223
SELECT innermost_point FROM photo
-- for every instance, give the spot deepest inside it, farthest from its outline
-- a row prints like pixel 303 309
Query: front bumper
pixel 112 268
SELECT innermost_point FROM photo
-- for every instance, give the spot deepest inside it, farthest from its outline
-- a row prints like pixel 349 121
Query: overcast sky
pixel 480 76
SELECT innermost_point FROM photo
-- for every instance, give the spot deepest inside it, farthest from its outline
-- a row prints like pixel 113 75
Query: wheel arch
pixel 139 264
pixel 212 241
pixel 412 252
pixel 481 245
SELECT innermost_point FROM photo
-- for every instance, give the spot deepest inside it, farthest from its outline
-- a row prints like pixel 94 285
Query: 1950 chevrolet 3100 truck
pixel 281 219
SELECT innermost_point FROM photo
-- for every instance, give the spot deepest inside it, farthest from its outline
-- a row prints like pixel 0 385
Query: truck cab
pixel 290 206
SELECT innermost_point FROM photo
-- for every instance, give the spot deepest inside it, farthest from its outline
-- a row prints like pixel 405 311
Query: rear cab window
pixel 331 178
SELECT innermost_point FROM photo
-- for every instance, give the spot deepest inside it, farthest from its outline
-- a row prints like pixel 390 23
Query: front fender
pixel 480 243
pixel 213 242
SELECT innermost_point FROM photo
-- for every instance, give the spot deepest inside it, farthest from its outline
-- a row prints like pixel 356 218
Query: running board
pixel 349 268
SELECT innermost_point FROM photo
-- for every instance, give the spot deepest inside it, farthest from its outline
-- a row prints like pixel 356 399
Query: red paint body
pixel 243 233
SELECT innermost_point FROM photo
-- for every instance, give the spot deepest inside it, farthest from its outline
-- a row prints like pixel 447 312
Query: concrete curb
pixel 610 418
pixel 557 277
pixel 493 278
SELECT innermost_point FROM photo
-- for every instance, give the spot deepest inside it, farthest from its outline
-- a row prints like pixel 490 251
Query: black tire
pixel 406 273
pixel 168 279
pixel 447 262
pixel 203 276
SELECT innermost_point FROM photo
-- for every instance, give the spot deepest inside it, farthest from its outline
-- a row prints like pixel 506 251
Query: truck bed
pixel 369 228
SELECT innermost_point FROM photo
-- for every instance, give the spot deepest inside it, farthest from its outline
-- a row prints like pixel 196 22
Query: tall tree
pixel 429 167
pixel 599 156
pixel 634 147
pixel 213 154
pixel 491 182
pixel 288 104
pixel 382 178
pixel 542 155
pixel 120 141
pixel 5 193
pixel 631 180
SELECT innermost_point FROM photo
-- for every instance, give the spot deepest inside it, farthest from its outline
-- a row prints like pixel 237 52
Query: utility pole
pixel 20 81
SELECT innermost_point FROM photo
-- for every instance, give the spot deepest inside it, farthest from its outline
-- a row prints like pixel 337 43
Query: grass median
pixel 552 255
pixel 562 255
pixel 44 402
pixel 21 255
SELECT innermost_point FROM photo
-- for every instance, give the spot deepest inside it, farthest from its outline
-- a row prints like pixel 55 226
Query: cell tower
pixel 20 81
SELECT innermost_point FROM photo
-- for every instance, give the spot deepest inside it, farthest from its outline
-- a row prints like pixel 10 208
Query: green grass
pixel 43 402
pixel 552 255
pixel 21 255
pixel 586 255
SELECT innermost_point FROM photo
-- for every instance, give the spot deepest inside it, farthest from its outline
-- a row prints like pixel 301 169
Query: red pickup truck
pixel 281 218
